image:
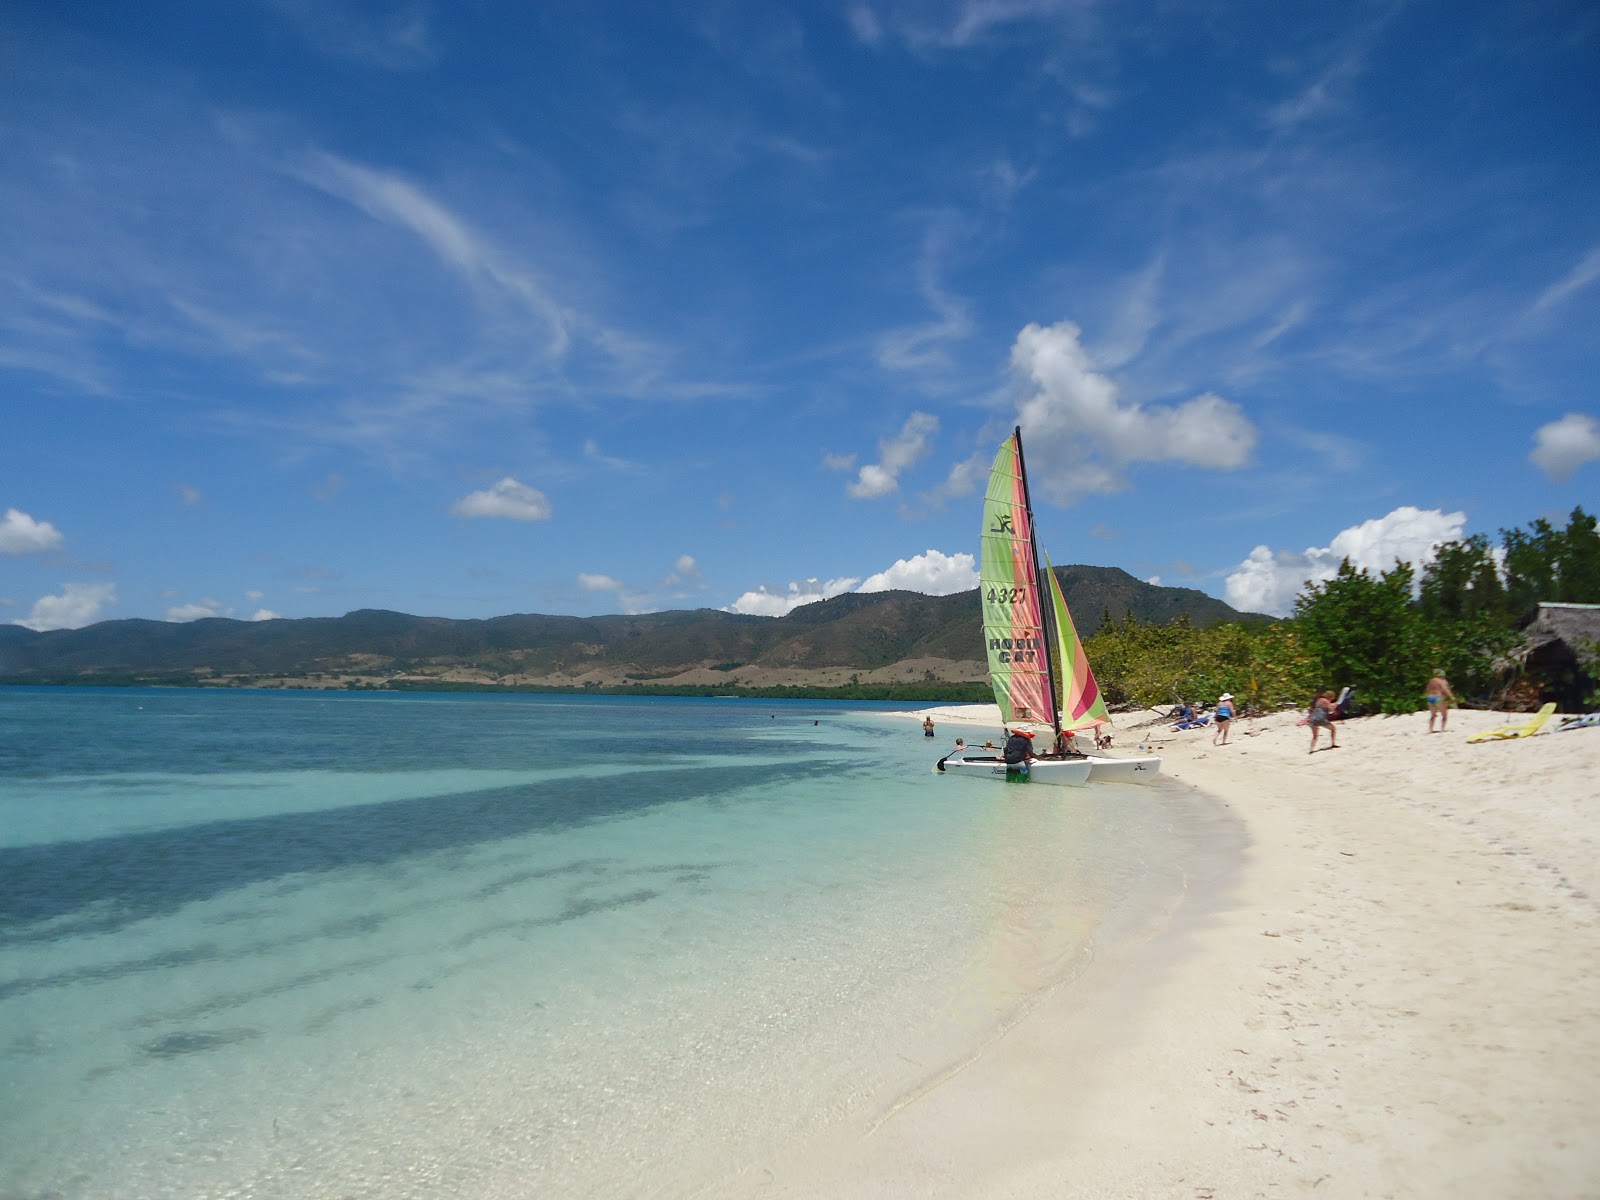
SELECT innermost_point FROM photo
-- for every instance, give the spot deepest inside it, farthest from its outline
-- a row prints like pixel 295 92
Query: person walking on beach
pixel 1439 698
pixel 1320 717
pixel 1223 717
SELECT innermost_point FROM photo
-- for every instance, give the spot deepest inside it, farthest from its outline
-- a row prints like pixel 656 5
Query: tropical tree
pixel 1362 630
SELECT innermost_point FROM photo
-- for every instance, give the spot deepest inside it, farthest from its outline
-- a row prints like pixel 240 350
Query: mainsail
pixel 1082 705
pixel 1013 613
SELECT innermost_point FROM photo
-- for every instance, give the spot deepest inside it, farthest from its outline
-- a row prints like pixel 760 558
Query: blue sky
pixel 470 309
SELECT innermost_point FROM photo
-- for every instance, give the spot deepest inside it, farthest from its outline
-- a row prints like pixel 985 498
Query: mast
pixel 1046 611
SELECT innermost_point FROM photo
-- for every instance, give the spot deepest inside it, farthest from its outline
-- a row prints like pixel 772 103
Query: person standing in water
pixel 1439 698
pixel 927 726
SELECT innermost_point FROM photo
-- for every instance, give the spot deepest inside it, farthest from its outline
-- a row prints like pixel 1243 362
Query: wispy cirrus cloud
pixel 952 26
pixel 388 197
pixel 924 347
pixel 1582 275
pixel 393 37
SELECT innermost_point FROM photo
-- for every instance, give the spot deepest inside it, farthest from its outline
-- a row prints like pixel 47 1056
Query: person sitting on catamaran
pixel 1067 745
pixel 1018 753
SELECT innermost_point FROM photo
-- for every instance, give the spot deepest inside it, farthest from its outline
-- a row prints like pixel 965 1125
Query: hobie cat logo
pixel 1005 526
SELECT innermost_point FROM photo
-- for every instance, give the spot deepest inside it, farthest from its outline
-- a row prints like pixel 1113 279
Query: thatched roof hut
pixel 1559 650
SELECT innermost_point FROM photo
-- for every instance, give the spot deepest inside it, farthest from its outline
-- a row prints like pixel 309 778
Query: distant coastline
pixel 950 692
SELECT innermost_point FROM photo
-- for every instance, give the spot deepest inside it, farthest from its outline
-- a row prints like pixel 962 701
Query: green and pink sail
pixel 1036 661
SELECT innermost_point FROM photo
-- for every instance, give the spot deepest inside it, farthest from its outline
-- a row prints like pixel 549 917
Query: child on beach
pixel 1223 716
pixel 1439 698
pixel 1320 717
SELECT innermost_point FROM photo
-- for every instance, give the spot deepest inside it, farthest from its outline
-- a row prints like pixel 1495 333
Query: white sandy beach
pixel 1397 995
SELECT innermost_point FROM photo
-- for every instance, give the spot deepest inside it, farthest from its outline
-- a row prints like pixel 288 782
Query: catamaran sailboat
pixel 1040 674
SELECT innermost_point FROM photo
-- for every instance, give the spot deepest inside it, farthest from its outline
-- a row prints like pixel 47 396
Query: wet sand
pixel 1396 994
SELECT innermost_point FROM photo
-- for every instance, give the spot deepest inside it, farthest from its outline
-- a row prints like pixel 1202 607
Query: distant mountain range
pixel 819 642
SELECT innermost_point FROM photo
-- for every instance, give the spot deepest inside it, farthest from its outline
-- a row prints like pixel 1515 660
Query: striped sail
pixel 1082 705
pixel 1013 619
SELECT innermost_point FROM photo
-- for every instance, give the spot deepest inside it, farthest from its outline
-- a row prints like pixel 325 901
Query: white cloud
pixel 897 453
pixel 1581 276
pixel 599 583
pixel 864 22
pixel 932 573
pixel 266 614
pixel 839 462
pixel 769 602
pixel 79 604
pixel 21 534
pixel 923 348
pixel 507 499
pixel 1564 445
pixel 397 40
pixel 207 607
pixel 1081 436
pixel 396 202
pixel 1268 581
pixel 254 594
pixel 686 566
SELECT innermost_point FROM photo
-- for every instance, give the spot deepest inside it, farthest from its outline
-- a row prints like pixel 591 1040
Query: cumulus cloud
pixel 21 534
pixel 685 570
pixel 771 602
pixel 266 614
pixel 1082 436
pixel 1562 446
pixel 1268 581
pixel 508 500
pixel 599 583
pixel 207 607
pixel 897 453
pixel 79 604
pixel 932 573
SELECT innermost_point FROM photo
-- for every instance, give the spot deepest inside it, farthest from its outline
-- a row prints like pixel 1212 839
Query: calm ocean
pixel 300 944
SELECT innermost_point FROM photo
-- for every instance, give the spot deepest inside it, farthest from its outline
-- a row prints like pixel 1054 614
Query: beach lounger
pixel 1528 729
pixel 1585 721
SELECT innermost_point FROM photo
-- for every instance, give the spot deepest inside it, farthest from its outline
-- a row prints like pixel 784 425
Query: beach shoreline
pixel 1392 995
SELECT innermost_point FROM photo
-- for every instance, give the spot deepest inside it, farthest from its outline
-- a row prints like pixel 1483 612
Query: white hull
pixel 1123 770
pixel 1070 772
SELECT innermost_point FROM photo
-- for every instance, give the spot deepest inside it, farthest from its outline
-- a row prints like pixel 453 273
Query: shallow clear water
pixel 292 944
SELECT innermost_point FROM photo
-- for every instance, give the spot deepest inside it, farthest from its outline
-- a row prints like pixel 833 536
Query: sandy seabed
pixel 1397 995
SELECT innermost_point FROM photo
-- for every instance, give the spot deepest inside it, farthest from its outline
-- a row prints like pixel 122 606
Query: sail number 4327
pixel 1007 595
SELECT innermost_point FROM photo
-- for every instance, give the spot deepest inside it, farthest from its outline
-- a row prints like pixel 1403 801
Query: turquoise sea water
pixel 296 944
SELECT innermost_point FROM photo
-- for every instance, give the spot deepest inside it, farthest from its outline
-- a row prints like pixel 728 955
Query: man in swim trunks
pixel 1439 698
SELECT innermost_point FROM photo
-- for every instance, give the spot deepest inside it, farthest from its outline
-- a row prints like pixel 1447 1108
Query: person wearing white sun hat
pixel 1224 719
